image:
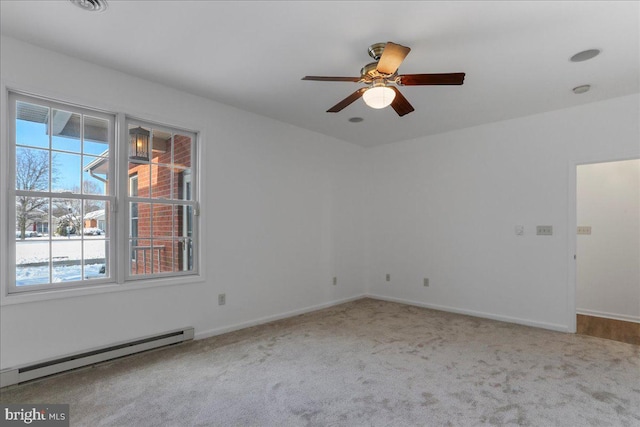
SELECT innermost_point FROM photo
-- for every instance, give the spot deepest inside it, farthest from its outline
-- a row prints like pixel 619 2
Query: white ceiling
pixel 252 55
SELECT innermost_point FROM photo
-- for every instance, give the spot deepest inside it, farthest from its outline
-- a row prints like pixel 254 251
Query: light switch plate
pixel 544 230
pixel 584 229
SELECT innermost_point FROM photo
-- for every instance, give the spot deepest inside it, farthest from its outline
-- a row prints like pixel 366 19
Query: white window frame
pixel 12 193
pixel 119 279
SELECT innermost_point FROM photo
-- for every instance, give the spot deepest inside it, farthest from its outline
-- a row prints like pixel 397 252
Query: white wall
pixel 280 205
pixel 608 266
pixel 445 207
pixel 287 209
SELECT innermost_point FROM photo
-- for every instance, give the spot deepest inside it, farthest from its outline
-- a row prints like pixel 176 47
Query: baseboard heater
pixel 53 366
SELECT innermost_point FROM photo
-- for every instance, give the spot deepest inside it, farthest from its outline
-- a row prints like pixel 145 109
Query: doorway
pixel 608 250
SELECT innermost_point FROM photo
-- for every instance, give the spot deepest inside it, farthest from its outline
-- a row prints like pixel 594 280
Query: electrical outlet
pixel 519 230
pixel 335 281
pixel 222 299
pixel 544 230
pixel 388 277
pixel 426 282
pixel 584 229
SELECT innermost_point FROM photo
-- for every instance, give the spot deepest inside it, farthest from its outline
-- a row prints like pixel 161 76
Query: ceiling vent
pixel 91 5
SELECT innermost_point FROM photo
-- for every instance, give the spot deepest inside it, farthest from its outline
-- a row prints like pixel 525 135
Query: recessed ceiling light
pixel 581 89
pixel 91 5
pixel 585 55
pixel 356 119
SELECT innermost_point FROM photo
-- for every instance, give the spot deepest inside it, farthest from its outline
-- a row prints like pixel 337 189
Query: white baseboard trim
pixel 225 329
pixel 613 316
pixel 508 319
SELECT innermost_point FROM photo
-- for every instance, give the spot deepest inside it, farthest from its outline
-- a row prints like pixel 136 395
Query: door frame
pixel 572 225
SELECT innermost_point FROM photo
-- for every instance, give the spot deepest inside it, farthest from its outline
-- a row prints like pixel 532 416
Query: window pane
pixel 161 147
pixel 95 175
pixel 140 256
pixel 95 221
pixel 32 169
pixel 95 258
pixel 161 181
pixel 32 262
pixel 182 184
pixel 67 176
pixel 163 221
pixel 65 131
pixel 32 217
pixel 32 245
pixel 163 260
pixel 183 215
pixel 140 214
pixel 184 255
pixel 31 125
pixel 66 215
pixel 96 136
pixel 139 180
pixel 182 151
pixel 66 257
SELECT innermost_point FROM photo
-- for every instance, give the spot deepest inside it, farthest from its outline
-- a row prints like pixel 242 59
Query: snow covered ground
pixel 32 259
pixel 63 273
pixel 36 249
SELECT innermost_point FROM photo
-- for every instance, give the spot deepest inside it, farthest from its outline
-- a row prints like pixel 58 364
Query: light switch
pixel 584 229
pixel 544 230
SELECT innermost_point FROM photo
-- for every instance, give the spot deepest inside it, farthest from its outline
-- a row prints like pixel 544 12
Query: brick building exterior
pixel 159 229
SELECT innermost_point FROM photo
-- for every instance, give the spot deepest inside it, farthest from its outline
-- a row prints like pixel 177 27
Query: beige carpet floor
pixel 364 363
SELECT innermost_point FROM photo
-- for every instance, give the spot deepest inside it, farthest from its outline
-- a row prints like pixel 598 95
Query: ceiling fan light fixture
pixel 379 96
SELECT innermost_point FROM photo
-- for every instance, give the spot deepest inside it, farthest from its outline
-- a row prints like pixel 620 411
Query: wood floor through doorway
pixel 617 330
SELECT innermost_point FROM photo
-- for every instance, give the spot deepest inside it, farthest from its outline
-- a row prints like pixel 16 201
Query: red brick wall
pixel 167 219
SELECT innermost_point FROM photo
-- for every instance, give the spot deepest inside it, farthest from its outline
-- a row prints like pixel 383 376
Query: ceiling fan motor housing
pixel 376 49
pixel 370 70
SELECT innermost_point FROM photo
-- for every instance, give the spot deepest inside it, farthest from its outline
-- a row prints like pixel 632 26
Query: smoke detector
pixel 91 5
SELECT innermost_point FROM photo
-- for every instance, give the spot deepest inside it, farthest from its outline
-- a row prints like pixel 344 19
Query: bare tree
pixel 32 174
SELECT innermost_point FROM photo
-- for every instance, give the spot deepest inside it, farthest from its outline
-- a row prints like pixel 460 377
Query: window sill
pixel 53 294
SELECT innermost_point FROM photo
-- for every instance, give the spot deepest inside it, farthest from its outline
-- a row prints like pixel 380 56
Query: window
pixel 62 194
pixel 68 198
pixel 160 200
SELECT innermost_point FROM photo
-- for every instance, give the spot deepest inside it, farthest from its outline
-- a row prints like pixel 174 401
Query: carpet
pixel 363 363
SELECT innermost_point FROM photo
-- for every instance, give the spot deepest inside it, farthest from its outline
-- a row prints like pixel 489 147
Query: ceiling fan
pixel 381 76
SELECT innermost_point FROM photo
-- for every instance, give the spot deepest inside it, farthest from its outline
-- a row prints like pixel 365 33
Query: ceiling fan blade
pixel 347 101
pixel 431 79
pixel 400 103
pixel 392 56
pixel 332 79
